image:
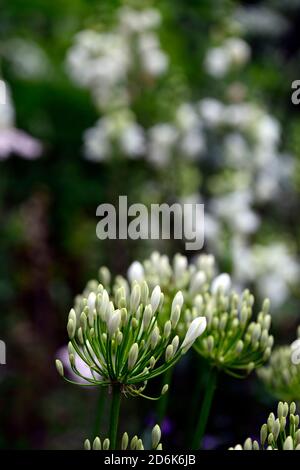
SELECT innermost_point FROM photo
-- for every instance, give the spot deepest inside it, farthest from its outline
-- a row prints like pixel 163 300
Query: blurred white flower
pixel 211 111
pixel 223 282
pixel 238 50
pixel 162 138
pixel 132 140
pixel 217 62
pixel 135 272
pixel 134 21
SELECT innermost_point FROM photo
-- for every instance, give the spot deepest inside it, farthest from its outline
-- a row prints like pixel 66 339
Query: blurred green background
pixel 51 183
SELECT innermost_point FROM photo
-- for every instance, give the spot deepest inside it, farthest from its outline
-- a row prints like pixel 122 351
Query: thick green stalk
pixel 205 409
pixel 114 415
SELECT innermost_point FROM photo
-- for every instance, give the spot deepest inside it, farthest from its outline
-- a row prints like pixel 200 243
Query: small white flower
pixel 91 301
pixel 196 328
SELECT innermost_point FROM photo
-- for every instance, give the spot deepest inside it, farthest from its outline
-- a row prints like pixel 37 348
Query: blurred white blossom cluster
pixel 13 140
pixel 233 139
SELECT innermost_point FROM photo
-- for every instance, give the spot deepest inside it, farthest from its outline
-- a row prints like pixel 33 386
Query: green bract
pixel 282 374
pixel 120 339
pixel 233 341
pixel 281 433
pixel 133 444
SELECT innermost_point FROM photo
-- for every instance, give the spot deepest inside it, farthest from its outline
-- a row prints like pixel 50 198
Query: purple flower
pixel 15 141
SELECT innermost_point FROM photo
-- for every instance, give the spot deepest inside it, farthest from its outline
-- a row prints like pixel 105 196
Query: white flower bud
pixel 164 389
pixel 223 282
pixel 59 367
pixel 175 315
pixel 114 322
pixel 288 443
pixel 87 445
pixel 104 305
pixel 175 343
pixel 97 444
pixel 71 328
pixel 169 352
pixel 154 337
pixel 177 301
pixel 135 298
pixel 148 314
pixel 91 301
pixel 106 444
pixel 133 355
pixel 135 272
pixel 167 329
pixel 125 441
pixel 155 298
pixel 196 328
pixel 156 436
pixel 144 292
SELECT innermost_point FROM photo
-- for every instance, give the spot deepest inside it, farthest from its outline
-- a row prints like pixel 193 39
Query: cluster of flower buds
pixel 281 433
pixel 133 444
pixel 282 374
pixel 120 338
pixel 233 341
pixel 177 274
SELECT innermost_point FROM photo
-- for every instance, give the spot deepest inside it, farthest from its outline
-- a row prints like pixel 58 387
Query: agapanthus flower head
pixel 135 443
pixel 119 336
pixel 233 341
pixel 281 375
pixel 278 433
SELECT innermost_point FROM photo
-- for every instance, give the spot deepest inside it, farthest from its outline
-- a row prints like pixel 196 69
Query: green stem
pixel 114 415
pixel 205 409
pixel 99 410
pixel 195 399
pixel 163 402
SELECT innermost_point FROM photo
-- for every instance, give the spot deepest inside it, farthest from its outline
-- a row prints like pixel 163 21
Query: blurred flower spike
pixel 120 338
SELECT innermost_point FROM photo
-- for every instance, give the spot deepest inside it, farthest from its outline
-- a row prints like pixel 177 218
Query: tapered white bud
pixel 167 329
pixel 135 272
pixel 87 445
pixel 144 292
pixel 164 389
pixel 133 443
pixel 148 314
pixel 154 337
pixel 159 447
pixel 125 440
pixel 135 298
pixel 288 443
pixel 156 436
pixel 106 444
pixel 155 298
pixel 139 445
pixel 169 352
pixel 196 328
pixel 133 355
pixel 97 444
pixel 72 316
pixel 71 328
pixel 177 301
pixel 59 367
pixel 152 362
pixel 175 343
pixel 114 322
pixel 104 305
pixel 221 282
